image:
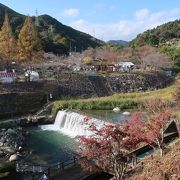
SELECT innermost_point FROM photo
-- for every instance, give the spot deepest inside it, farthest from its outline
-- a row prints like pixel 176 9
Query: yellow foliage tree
pixel 8 44
pixel 29 43
pixel 87 60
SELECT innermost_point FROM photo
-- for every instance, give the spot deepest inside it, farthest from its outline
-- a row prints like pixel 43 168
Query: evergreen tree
pixel 8 44
pixel 29 43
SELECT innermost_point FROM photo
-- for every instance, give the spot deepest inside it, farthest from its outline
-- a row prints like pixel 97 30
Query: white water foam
pixel 72 124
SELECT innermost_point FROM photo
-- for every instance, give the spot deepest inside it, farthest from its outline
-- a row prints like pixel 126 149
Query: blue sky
pixel 104 19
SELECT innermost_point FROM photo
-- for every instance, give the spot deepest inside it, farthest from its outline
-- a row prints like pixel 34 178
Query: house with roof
pixel 31 75
pixel 7 77
pixel 103 67
pixel 124 66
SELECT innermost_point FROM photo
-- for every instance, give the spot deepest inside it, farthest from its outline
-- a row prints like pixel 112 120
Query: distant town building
pixel 108 68
pixel 31 75
pixel 124 66
pixel 7 77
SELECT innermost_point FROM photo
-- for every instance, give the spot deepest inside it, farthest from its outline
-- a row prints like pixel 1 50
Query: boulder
pixel 20 149
pixel 9 150
pixel 13 157
pixel 116 109
pixel 11 131
pixel 126 113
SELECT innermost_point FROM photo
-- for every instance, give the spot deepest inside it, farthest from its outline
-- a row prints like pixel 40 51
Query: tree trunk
pixel 161 152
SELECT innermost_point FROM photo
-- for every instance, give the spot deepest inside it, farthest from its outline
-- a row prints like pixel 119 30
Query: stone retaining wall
pixel 27 97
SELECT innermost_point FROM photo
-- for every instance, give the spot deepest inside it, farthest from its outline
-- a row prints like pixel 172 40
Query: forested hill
pixel 166 38
pixel 118 42
pixel 55 36
pixel 161 34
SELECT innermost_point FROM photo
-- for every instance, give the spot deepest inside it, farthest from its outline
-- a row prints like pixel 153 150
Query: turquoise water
pixel 108 115
pixel 49 146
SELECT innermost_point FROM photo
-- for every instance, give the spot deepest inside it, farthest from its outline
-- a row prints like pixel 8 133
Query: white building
pixel 124 66
pixel 7 77
pixel 32 75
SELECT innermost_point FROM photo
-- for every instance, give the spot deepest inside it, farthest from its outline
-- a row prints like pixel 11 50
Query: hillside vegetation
pixel 161 34
pixel 55 36
pixel 118 42
pixel 160 168
pixel 165 37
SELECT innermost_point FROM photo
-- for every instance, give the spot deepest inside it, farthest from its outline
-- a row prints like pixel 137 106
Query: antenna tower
pixel 37 19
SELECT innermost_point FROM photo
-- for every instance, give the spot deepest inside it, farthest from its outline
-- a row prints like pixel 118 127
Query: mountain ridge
pixel 56 37
pixel 118 42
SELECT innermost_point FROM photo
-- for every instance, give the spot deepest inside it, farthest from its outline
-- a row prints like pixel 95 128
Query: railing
pixel 36 171
pixel 44 108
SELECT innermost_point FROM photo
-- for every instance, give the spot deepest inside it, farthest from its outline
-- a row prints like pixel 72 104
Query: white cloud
pixel 142 14
pixel 127 29
pixel 71 12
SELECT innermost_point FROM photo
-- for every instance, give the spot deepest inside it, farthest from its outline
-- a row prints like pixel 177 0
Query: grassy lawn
pixel 122 100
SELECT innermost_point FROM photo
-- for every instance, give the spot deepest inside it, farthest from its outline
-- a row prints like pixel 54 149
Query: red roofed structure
pixel 7 77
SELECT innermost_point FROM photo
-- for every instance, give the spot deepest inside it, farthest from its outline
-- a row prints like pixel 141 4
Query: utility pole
pixel 94 34
pixel 70 48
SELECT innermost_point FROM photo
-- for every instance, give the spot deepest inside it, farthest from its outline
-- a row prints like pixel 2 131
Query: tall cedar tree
pixel 8 44
pixel 30 48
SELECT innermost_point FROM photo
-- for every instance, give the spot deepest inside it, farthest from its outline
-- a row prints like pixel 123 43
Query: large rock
pixel 126 113
pixel 8 150
pixel 11 131
pixel 14 157
pixel 116 109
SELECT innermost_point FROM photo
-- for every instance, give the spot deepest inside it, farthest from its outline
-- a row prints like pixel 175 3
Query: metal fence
pixel 40 172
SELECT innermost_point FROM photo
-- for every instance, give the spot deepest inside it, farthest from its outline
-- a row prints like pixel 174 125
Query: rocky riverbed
pixel 12 144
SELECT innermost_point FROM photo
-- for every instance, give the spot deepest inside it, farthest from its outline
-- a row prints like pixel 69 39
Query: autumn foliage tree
pixel 29 43
pixel 105 150
pixel 8 44
pixel 108 148
pixel 135 131
pixel 150 128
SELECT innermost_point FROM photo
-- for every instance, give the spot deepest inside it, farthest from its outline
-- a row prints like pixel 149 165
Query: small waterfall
pixel 71 123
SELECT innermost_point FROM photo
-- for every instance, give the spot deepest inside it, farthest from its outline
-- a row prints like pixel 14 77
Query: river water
pixel 53 143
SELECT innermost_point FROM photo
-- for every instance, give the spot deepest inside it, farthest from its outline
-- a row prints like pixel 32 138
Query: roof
pixel 31 73
pixel 4 74
pixel 126 63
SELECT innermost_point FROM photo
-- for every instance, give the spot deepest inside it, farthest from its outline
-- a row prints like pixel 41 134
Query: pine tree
pixel 29 43
pixel 8 44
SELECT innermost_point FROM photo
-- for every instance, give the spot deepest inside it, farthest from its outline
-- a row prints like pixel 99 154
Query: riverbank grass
pixel 122 100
